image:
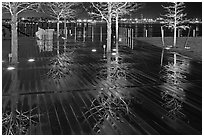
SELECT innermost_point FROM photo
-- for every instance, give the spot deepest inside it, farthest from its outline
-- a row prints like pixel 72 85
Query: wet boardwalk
pixel 73 89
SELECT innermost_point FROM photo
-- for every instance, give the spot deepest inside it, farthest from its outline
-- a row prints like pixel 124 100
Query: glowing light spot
pixel 63 38
pixel 120 39
pixel 114 53
pixel 93 50
pixel 10 68
pixel 31 60
pixel 187 47
pixel 167 48
pixel 114 49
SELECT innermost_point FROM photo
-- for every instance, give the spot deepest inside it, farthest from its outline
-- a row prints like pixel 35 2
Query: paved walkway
pixel 81 90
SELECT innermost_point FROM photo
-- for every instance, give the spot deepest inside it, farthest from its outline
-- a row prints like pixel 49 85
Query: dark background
pixel 149 10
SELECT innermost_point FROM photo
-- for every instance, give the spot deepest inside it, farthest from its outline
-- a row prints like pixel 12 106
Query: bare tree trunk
pixel 108 65
pixel 58 47
pixel 175 26
pixel 174 80
pixel 101 34
pixel 175 36
pixel 109 29
pixel 58 27
pixel 65 28
pixel 116 35
pixel 162 35
pixel 174 59
pixel 108 37
pixel 14 39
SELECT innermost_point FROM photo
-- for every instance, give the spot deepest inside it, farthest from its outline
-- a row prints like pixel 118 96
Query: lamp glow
pixel 114 53
pixel 114 49
pixel 167 48
pixel 63 38
pixel 31 60
pixel 93 50
pixel 10 68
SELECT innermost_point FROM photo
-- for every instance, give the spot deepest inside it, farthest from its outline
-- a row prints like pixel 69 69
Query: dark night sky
pixel 149 10
pixel 154 9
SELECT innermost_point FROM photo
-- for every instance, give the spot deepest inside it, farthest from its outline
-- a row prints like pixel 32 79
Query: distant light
pixel 31 60
pixel 120 39
pixel 167 48
pixel 10 68
pixel 93 50
pixel 113 53
pixel 63 38
pixel 114 49
pixel 187 47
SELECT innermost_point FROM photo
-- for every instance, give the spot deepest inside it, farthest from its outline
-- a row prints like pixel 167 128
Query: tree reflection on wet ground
pixel 69 89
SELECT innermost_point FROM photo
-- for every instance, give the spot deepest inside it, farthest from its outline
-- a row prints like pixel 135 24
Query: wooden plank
pixel 159 112
pixel 6 81
pixel 63 109
pixel 62 118
pixel 73 82
pixel 7 85
pixel 35 114
pixel 80 104
pixel 45 124
pixel 83 80
pixel 69 113
pixel 77 113
pixel 6 102
pixel 55 126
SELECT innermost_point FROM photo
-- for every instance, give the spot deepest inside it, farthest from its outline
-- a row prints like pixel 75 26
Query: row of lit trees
pixel 55 10
pixel 15 8
pixel 107 11
pixel 174 17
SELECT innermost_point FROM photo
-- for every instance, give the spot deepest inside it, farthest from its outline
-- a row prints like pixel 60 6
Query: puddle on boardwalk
pixel 91 92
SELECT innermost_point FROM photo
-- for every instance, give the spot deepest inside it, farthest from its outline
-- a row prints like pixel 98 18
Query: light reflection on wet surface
pixel 73 87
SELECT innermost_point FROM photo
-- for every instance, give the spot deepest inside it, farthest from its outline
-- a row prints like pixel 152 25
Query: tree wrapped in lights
pixel 109 10
pixel 15 8
pixel 174 17
pixel 104 11
pixel 120 9
pixel 58 10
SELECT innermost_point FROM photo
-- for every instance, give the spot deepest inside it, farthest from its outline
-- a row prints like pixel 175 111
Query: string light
pixel 31 60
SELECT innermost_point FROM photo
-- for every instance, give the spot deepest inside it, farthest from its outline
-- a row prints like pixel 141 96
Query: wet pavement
pixel 76 88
